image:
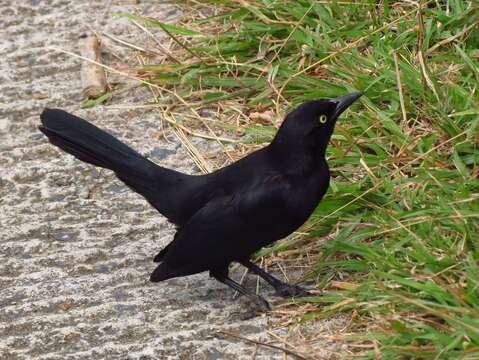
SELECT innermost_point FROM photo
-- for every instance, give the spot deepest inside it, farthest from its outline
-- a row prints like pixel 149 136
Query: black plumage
pixel 229 214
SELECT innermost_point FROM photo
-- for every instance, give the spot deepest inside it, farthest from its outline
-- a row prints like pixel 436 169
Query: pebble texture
pixel 76 245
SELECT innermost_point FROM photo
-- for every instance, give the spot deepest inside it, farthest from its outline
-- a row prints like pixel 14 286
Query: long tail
pixel 95 146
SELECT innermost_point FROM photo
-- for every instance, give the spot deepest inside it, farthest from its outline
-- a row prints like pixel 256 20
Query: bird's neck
pixel 297 158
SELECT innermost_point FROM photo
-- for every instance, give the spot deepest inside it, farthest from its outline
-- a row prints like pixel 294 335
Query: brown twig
pixel 420 53
pixel 401 95
pixel 451 38
pixel 93 77
pixel 256 342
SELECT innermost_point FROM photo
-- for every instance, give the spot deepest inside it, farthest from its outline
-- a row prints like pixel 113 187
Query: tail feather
pixel 90 144
pixel 162 272
pixel 70 147
pixel 161 255
pixel 85 141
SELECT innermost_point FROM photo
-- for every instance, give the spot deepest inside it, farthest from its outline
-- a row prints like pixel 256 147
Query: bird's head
pixel 311 124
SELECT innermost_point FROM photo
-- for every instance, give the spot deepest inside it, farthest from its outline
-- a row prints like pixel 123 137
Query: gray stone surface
pixel 75 244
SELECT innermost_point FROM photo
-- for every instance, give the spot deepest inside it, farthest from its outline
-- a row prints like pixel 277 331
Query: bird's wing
pixel 231 227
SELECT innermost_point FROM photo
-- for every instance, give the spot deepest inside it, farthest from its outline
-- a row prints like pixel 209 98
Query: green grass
pixel 402 211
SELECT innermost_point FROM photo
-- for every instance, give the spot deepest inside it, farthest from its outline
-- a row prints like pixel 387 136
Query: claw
pixel 287 290
pixel 261 305
pixel 258 306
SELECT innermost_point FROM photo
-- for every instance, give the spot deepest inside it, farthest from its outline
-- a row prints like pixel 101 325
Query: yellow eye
pixel 323 119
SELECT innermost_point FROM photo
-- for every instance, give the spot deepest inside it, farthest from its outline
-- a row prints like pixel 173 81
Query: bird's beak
pixel 343 102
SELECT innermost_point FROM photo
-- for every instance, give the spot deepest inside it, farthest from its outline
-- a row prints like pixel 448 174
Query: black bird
pixel 231 213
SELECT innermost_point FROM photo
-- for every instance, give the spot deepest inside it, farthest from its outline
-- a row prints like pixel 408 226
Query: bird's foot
pixel 257 306
pixel 260 304
pixel 288 290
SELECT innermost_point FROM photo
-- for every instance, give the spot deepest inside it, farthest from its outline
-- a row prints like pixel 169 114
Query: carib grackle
pixel 227 215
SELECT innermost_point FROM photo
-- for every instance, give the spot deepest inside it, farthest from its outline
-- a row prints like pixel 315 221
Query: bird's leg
pixel 281 288
pixel 222 276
